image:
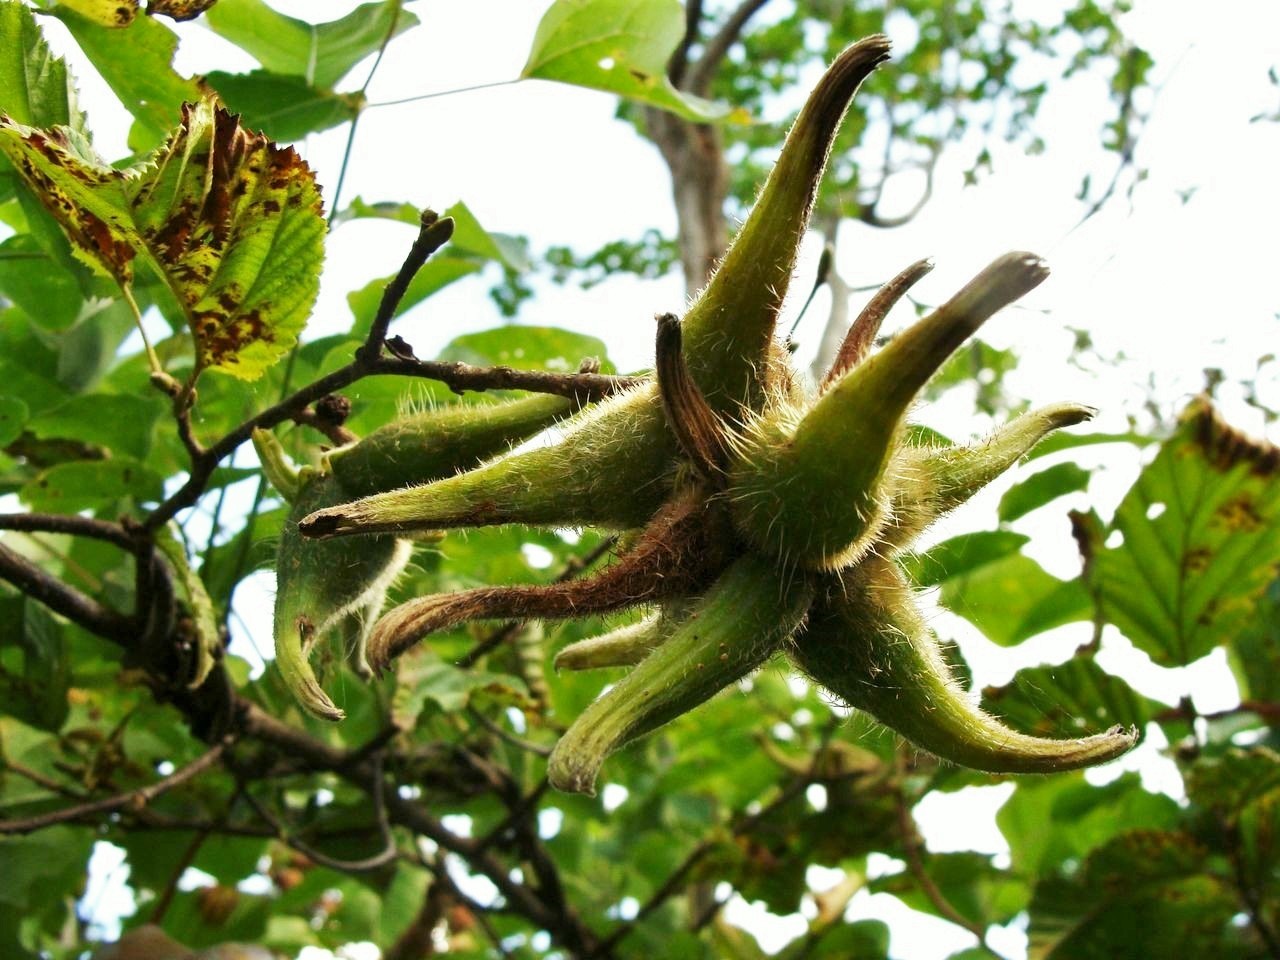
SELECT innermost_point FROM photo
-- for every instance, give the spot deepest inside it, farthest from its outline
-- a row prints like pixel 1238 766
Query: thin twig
pixel 507 736
pixel 131 798
pixel 379 860
pixel 433 233
pixel 704 71
pixel 912 846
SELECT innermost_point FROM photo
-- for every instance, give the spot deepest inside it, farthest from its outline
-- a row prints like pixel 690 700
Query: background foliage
pixel 422 823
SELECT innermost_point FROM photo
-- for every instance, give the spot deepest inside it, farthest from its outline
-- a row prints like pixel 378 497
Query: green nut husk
pixel 740 622
pixel 617 463
pixel 868 644
pixel 815 489
pixel 321 586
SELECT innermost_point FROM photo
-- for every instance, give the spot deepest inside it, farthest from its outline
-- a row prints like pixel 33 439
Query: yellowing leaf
pixel 232 222
pixel 236 225
pixel 106 13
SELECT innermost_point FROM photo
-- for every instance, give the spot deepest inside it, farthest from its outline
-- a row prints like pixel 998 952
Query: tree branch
pixel 704 71
pixel 130 798
pixel 70 524
pixel 60 598
pixel 679 62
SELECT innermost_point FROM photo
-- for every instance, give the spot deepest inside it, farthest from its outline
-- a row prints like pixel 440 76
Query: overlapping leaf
pixel 1201 530
pixel 230 221
pixel 618 46
pixel 320 53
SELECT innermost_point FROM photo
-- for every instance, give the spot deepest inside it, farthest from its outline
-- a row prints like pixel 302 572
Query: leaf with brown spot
pixel 236 226
pixel 1201 529
pixel 105 13
pixel 232 222
pixel 88 198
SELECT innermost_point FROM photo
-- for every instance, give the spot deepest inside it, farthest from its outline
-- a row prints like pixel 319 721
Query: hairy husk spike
pixel 679 552
pixel 935 480
pixel 868 645
pixel 820 496
pixel 437 443
pixel 614 469
pixel 626 646
pixel 728 330
pixel 319 585
pixel 616 465
pixel 735 627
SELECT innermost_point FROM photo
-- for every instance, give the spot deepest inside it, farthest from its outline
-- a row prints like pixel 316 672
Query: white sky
pixel 1176 286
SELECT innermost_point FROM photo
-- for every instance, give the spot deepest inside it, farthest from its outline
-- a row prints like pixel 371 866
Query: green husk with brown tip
pixel 320 585
pixel 933 481
pixel 868 644
pixel 734 628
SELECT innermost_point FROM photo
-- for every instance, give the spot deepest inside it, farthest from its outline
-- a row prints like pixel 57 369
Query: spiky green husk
pixel 868 644
pixel 740 622
pixel 616 465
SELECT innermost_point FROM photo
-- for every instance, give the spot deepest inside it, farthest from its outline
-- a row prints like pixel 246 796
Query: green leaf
pixel 1255 650
pixel 85 485
pixel 1057 820
pixel 320 53
pixel 282 106
pixel 619 46
pixel 1005 594
pixel 962 554
pixel 137 63
pixel 423 676
pixel 232 223
pixel 978 890
pixel 1145 894
pixel 44 867
pixel 1041 488
pixel 361 209
pixel 1072 699
pixel 44 292
pixel 529 348
pixel 35 689
pixel 35 87
pixel 13 419
pixel 470 237
pixel 119 423
pixel 1201 530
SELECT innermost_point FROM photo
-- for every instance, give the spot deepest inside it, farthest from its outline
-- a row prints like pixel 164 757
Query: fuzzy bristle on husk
pixel 867 643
